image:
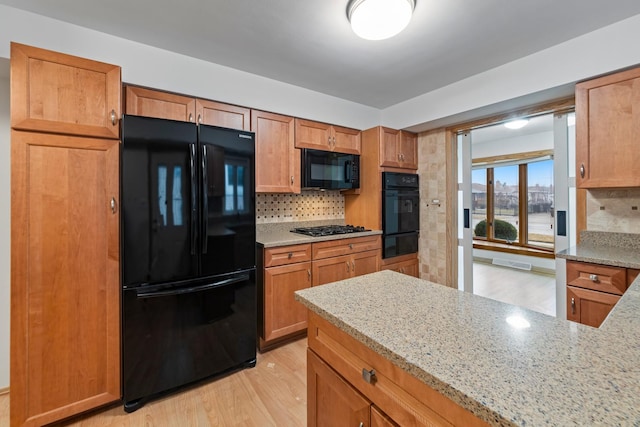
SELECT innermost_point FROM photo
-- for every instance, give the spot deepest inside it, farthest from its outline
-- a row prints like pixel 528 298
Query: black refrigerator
pixel 188 254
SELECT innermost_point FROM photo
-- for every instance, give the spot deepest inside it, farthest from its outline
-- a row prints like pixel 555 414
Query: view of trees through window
pixel 497 195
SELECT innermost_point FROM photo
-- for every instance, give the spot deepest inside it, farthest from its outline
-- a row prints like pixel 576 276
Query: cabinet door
pixel 389 144
pixel 315 135
pixel 409 268
pixel 53 92
pixel 65 280
pixel 331 269
pixel 365 262
pixel 283 315
pixel 379 419
pixel 632 273
pixel 346 140
pixel 331 401
pixel 277 160
pixel 607 125
pixel 408 150
pixel 589 307
pixel 161 105
pixel 223 115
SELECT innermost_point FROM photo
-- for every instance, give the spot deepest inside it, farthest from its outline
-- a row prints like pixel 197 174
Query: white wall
pixel 149 66
pixel 5 231
pixel 520 82
pixel 520 144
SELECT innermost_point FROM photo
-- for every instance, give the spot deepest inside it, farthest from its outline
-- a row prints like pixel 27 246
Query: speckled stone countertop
pixel 553 373
pixel 616 249
pixel 278 234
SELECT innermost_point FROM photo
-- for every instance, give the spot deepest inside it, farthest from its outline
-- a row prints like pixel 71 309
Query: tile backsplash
pixel 614 210
pixel 306 206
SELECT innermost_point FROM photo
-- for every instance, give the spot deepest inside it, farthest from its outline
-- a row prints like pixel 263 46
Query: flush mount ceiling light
pixel 379 19
pixel 516 124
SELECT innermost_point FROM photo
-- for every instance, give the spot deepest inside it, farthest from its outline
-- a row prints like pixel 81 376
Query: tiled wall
pixel 614 210
pixel 433 244
pixel 307 206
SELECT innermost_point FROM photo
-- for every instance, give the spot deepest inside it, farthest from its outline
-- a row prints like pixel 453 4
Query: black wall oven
pixel 400 213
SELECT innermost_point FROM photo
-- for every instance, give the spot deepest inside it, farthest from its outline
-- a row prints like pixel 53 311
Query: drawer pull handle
pixel 594 278
pixel 309 274
pixel 347 262
pixel 290 255
pixel 369 375
pixel 353 266
pixel 573 306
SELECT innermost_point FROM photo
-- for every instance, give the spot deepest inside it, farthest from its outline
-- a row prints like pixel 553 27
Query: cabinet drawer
pixel 601 278
pixel 287 255
pixel 402 397
pixel 339 247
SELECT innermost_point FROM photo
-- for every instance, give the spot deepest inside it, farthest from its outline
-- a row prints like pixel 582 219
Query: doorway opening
pixel 516 208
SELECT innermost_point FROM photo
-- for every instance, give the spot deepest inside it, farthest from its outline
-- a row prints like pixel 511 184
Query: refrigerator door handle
pixel 194 198
pixel 205 200
pixel 193 289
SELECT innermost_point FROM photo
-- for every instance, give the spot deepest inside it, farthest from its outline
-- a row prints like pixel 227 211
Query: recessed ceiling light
pixel 516 124
pixel 379 19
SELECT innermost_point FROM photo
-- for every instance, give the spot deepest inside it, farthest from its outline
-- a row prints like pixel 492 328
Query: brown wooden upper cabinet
pixel 63 94
pixel 141 101
pixel 277 159
pixel 607 126
pixel 398 149
pixel 323 136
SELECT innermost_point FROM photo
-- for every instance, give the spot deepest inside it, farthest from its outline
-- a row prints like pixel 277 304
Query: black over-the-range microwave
pixel 329 170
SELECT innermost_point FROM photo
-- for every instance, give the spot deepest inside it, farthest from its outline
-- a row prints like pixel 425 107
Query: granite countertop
pixel 615 249
pixel 278 234
pixel 555 372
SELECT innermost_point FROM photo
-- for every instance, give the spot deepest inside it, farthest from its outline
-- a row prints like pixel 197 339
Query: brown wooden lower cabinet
pixel 283 270
pixel 589 307
pixel 339 394
pixel 594 289
pixel 331 401
pixel 406 265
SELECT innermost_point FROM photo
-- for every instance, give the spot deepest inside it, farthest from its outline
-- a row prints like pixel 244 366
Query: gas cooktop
pixel 328 230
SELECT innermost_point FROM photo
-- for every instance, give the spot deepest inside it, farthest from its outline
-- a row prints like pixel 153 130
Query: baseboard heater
pixel 513 264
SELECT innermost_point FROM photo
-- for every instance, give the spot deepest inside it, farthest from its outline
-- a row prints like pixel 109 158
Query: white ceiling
pixel 309 43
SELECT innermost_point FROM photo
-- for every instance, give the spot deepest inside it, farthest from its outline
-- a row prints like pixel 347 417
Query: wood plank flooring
pixel 535 291
pixel 271 394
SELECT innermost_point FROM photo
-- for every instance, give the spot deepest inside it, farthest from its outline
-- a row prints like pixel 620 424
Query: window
pixel 174 181
pixel 512 202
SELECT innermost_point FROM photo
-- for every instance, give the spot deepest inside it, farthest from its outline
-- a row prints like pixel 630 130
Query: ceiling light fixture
pixel 379 19
pixel 516 124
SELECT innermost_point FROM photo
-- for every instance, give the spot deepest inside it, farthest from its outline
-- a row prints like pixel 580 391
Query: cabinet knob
pixel 351 246
pixel 114 206
pixel 199 118
pixel 369 375
pixel 113 117
pixel 309 274
pixel 353 266
pixel 290 255
pixel 582 170
pixel 594 278
pixel 190 117
pixel 348 267
pixel 291 179
pixel 573 306
pixel 361 424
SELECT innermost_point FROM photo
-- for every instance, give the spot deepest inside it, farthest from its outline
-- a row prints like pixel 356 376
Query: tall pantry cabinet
pixel 65 315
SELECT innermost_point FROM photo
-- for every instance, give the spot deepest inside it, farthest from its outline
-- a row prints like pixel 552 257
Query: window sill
pixel 512 249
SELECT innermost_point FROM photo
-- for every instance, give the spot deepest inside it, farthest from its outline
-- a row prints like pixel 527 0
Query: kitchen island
pixel 462 347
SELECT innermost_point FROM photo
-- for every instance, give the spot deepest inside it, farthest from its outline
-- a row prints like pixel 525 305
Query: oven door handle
pixel 193 289
pixel 347 171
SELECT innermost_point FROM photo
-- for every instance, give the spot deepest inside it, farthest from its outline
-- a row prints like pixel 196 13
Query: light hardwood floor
pixel 271 394
pixel 531 290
